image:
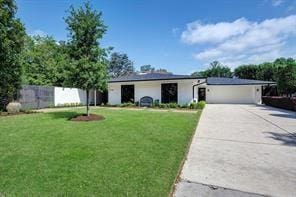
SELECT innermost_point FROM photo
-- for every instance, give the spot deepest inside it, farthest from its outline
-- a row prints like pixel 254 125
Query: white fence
pixel 64 96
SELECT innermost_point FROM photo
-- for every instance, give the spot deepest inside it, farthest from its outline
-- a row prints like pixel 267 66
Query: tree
pixel 12 34
pixel 88 69
pixel 267 72
pixel 246 71
pixel 216 70
pixel 287 79
pixel 162 71
pixel 120 65
pixel 147 68
pixel 44 61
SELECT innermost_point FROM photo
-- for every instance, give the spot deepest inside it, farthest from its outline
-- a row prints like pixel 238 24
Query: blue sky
pixel 181 36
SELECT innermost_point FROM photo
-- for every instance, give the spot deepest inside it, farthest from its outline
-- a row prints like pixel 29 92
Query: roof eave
pixel 272 83
pixel 165 79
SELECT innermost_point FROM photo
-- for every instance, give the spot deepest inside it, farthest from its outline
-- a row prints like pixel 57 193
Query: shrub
pixel 280 102
pixel 172 105
pixel 193 105
pixel 69 105
pixel 129 104
pixel 156 103
pixel 13 107
pixel 162 105
pixel 201 104
pixel 184 106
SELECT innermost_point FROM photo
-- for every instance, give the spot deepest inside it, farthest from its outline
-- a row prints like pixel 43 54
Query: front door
pixel 201 94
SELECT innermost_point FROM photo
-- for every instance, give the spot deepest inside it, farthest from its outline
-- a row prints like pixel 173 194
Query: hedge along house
pixel 183 89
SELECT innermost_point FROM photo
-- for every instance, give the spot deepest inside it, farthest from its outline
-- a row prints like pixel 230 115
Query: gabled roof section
pixel 150 77
pixel 236 81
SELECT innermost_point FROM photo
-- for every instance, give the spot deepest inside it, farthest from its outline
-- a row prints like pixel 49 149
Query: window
pixel 127 93
pixel 169 93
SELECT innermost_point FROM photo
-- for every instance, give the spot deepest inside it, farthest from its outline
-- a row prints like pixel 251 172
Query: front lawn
pixel 130 153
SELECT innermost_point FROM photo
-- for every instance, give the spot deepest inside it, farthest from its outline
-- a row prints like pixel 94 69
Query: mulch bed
pixel 91 117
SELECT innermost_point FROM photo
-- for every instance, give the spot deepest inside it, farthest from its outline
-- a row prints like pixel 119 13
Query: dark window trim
pixel 121 86
pixel 162 92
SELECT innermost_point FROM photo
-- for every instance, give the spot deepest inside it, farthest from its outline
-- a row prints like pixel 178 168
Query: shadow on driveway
pixel 285 115
pixel 288 139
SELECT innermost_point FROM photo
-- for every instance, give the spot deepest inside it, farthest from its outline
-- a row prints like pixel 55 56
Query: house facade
pixel 183 89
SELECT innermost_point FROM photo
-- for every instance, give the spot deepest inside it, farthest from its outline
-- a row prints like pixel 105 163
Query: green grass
pixel 130 153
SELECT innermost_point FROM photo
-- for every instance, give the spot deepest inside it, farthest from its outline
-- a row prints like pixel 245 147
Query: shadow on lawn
pixel 64 115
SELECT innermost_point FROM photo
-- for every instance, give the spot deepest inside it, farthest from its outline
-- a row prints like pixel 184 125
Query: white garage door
pixel 233 94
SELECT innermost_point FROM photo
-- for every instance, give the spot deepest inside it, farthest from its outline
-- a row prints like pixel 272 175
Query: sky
pixel 181 36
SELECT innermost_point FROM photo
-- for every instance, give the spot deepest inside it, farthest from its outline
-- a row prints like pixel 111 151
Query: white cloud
pixel 200 33
pixel 276 3
pixel 38 32
pixel 242 41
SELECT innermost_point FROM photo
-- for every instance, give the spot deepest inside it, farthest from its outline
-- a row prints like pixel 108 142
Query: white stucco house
pixel 183 89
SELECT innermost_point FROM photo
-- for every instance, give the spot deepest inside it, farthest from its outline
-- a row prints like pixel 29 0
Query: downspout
pixel 195 86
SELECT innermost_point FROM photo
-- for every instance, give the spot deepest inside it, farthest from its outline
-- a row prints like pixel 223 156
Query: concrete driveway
pixel 241 150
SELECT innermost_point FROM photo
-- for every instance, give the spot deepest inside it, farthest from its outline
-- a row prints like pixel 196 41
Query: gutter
pixel 195 86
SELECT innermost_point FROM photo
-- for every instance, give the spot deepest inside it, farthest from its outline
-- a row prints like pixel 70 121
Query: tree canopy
pixel 287 76
pixel 44 61
pixel 147 68
pixel 150 69
pixel 88 68
pixel 120 65
pixel 12 34
pixel 216 69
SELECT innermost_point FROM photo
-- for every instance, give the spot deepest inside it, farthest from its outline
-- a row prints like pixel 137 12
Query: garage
pixel 233 94
pixel 234 91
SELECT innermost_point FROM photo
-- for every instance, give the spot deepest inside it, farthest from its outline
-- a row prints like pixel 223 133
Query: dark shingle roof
pixel 235 81
pixel 210 80
pixel 150 77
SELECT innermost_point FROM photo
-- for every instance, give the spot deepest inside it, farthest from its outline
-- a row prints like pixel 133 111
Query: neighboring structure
pixel 183 89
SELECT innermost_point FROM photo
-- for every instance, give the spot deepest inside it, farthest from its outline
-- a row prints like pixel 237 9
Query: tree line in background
pixel 45 62
pixel 282 71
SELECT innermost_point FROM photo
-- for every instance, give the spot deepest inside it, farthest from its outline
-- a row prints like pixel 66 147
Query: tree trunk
pixel 87 102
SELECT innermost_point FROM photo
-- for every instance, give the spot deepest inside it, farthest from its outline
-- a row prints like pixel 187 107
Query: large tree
pixel 44 61
pixel 12 34
pixel 216 69
pixel 88 69
pixel 287 79
pixel 120 65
